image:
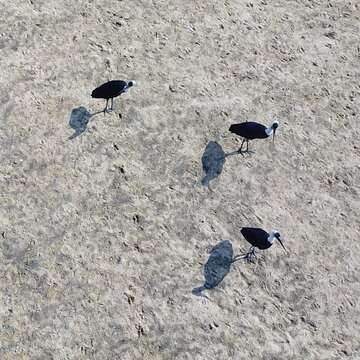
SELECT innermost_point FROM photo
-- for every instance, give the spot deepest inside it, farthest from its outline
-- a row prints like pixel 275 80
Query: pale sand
pixel 83 277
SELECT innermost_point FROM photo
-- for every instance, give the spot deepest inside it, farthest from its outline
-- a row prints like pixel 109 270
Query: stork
pixel 259 239
pixel 110 90
pixel 252 130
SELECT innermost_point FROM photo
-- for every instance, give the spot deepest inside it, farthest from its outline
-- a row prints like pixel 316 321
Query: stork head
pixel 277 236
pixel 274 126
pixel 131 83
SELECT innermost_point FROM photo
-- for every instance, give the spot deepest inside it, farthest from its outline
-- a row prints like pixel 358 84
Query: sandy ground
pixel 105 227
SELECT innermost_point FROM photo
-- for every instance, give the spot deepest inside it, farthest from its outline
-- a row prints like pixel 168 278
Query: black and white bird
pixel 110 90
pixel 259 239
pixel 252 130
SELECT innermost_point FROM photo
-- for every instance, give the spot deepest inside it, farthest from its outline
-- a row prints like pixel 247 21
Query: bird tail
pixel 95 94
pixel 234 128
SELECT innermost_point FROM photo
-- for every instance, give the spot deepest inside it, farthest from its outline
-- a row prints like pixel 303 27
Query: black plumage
pixel 249 130
pixel 252 130
pixel 256 237
pixel 110 90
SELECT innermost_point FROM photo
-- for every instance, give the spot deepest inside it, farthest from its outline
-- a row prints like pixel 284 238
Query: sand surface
pixel 105 226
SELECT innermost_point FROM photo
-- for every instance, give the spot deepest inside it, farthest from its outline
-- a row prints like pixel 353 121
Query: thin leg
pixel 247 148
pixel 112 103
pixel 240 150
pixel 249 256
pixel 105 110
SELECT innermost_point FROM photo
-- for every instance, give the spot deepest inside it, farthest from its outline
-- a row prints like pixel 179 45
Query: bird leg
pixel 106 109
pixel 112 103
pixel 251 254
pixel 240 150
pixel 247 148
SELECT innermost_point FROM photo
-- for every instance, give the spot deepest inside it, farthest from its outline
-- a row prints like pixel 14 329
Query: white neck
pixel 269 130
pixel 271 237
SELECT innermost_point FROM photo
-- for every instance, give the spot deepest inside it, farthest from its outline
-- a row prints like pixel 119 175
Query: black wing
pixel 249 130
pixel 256 237
pixel 110 89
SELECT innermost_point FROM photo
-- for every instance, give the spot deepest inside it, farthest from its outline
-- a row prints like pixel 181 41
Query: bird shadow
pixel 79 119
pixel 213 160
pixel 217 266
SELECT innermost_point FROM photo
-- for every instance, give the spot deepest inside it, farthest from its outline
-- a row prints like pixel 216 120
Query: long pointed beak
pixel 274 135
pixel 282 244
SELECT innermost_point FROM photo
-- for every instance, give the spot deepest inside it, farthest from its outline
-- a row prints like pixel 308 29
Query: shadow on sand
pixel 217 266
pixel 79 119
pixel 213 161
